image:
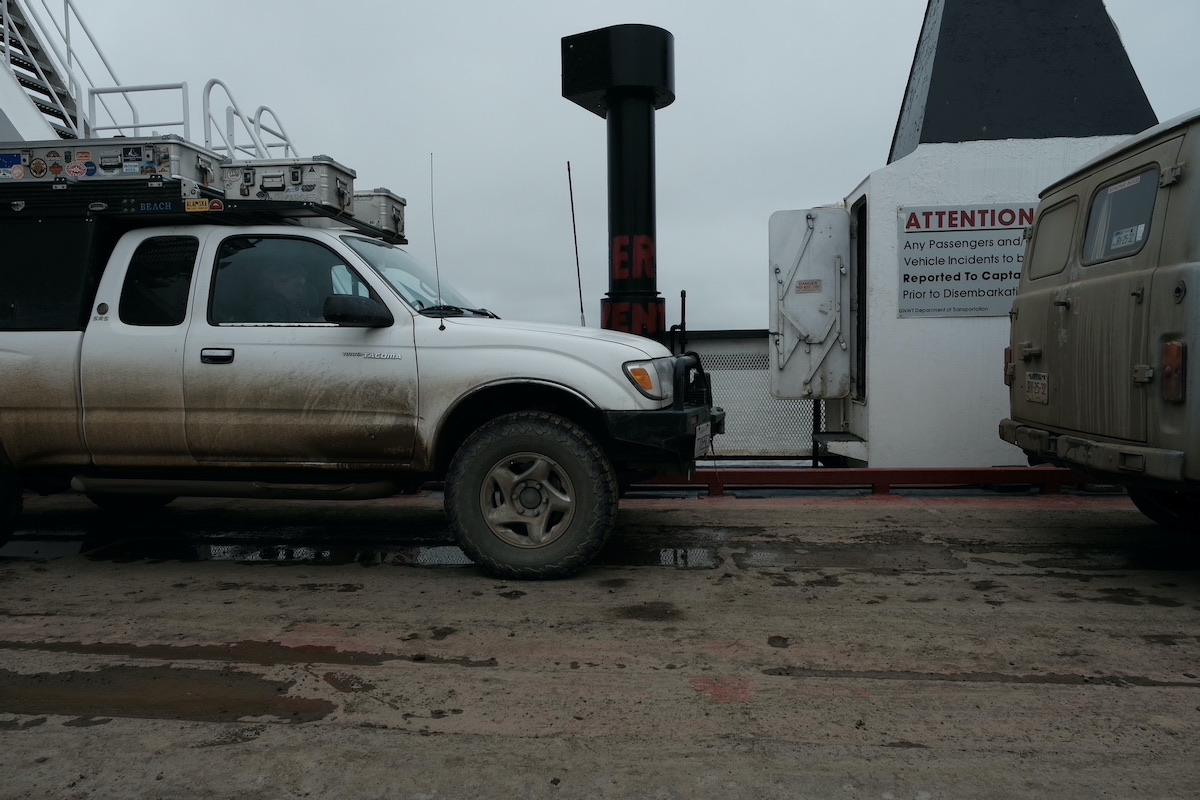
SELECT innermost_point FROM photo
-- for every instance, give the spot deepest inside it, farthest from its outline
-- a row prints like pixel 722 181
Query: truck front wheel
pixel 531 495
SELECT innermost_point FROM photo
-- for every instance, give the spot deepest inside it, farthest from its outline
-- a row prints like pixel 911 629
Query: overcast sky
pixel 780 104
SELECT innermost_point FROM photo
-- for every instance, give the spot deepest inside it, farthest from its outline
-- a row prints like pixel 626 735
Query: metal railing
pixel 56 56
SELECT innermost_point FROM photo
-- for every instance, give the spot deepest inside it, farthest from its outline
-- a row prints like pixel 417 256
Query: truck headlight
pixel 655 377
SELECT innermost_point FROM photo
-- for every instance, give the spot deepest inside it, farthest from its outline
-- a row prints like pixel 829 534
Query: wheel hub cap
pixel 529 499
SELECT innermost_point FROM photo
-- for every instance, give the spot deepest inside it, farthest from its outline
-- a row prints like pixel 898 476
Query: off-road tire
pixel 12 496
pixel 531 495
pixel 130 503
pixel 1179 511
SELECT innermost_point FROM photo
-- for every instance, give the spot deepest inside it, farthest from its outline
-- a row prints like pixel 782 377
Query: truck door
pixel 1081 358
pixel 810 303
pixel 132 355
pixel 266 379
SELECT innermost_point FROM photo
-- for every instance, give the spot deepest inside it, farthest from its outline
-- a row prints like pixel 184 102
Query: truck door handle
pixel 213 355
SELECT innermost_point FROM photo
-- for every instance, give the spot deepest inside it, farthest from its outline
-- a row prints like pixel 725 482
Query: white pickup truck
pixel 146 356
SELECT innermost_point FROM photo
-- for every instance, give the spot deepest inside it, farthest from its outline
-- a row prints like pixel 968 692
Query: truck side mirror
pixel 352 311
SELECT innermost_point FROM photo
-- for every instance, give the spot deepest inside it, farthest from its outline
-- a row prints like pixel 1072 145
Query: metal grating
pixel 757 424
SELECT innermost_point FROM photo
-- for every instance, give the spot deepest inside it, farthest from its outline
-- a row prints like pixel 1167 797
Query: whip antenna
pixel 433 225
pixel 575 232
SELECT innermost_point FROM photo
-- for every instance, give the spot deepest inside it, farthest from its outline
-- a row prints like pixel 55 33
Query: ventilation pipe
pixel 624 73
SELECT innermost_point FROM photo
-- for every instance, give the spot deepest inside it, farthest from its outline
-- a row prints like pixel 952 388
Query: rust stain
pixel 725 689
pixel 157 693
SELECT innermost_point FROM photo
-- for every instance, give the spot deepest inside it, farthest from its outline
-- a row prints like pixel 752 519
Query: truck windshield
pixel 410 278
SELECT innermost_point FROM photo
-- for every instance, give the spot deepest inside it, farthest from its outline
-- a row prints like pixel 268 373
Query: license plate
pixel 703 438
pixel 1037 388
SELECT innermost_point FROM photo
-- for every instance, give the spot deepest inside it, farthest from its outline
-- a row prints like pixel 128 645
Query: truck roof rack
pixel 167 180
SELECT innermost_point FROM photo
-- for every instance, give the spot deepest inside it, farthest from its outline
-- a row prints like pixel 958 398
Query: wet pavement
pixel 790 644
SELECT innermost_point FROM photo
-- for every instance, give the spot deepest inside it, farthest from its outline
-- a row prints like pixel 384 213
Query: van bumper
pixel 1125 463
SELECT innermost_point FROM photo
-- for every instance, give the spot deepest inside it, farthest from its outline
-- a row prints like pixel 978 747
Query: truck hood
pixel 482 326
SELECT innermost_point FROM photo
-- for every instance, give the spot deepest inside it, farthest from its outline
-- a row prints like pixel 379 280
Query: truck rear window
pixel 159 281
pixel 47 274
pixel 1119 220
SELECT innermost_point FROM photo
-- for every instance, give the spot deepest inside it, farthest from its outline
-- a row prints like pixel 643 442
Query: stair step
pixel 22 61
pixel 63 133
pixel 50 110
pixel 34 85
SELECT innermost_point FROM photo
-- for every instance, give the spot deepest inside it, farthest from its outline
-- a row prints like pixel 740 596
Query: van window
pixel 1052 240
pixel 158 281
pixel 1119 221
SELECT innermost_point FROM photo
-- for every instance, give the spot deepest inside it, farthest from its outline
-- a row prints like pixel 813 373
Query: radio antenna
pixel 575 233
pixel 437 271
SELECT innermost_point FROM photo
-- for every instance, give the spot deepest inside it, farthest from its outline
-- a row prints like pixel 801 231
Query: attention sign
pixel 961 261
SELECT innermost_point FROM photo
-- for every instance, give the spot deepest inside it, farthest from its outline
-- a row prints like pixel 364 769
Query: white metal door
pixel 810 303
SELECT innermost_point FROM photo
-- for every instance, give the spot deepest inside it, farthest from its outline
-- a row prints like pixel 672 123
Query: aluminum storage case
pixel 319 180
pixel 108 159
pixel 381 208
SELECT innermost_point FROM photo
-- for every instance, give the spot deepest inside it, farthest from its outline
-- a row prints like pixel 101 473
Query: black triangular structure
pixel 1018 69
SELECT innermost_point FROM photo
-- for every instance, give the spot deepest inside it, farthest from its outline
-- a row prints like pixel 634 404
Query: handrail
pixel 281 134
pixel 55 39
pixel 64 57
pixel 232 111
pixel 10 34
pixel 137 125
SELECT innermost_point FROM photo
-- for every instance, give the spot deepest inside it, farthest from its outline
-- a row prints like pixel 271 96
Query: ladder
pixel 58 65
pixel 37 68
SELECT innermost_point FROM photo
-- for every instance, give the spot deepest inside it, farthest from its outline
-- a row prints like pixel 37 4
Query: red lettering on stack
pixel 646 318
pixel 619 264
pixel 625 265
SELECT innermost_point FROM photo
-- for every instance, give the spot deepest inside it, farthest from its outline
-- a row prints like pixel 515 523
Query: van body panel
pixel 1112 276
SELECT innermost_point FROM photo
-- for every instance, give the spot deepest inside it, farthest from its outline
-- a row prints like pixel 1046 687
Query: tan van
pixel 1107 311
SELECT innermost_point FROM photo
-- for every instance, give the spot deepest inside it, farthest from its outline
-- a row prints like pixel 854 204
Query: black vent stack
pixel 625 73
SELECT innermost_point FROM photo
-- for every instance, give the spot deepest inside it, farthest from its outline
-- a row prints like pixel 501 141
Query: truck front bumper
pixel 668 436
pixel 674 436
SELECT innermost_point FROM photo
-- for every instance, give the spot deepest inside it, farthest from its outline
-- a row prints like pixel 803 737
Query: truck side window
pixel 262 279
pixel 158 281
pixel 1119 220
pixel 1052 240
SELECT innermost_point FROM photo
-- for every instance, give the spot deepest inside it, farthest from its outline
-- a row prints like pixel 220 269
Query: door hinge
pixel 1170 175
pixel 1143 373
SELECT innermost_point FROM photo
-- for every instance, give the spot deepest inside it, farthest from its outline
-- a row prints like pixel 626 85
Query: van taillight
pixel 1009 369
pixel 1174 371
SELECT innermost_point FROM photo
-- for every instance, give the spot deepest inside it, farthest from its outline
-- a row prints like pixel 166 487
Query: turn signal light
pixel 1174 371
pixel 1009 369
pixel 642 377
